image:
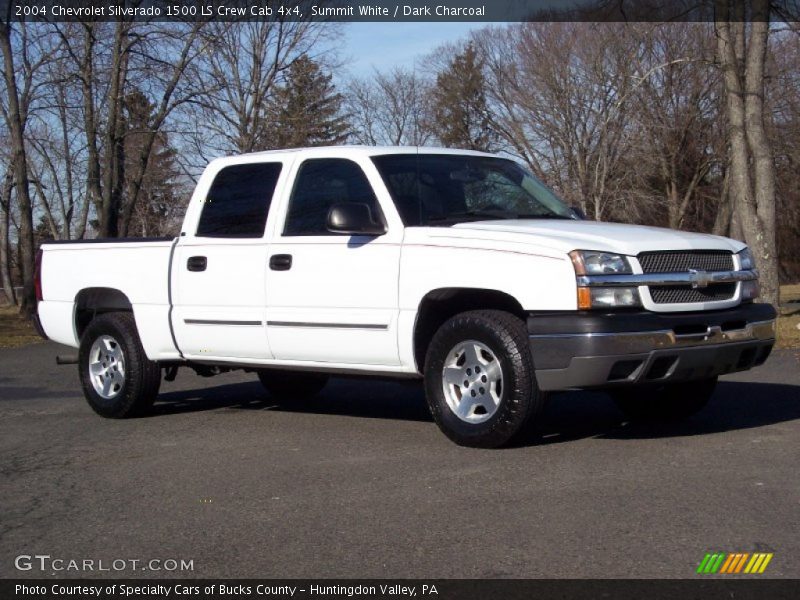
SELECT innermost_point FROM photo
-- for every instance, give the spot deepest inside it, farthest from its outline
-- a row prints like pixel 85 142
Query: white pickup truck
pixel 459 267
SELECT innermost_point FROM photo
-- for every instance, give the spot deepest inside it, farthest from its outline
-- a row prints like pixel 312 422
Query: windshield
pixel 444 189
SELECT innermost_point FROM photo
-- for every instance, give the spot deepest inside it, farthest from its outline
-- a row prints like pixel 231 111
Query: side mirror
pixel 354 218
pixel 577 213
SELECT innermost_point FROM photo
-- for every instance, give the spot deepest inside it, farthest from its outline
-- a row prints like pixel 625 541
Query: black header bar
pixel 401 11
pixel 419 589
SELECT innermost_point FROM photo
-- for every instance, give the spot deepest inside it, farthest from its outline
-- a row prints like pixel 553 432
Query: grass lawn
pixel 789 321
pixel 791 293
pixel 789 332
pixel 16 332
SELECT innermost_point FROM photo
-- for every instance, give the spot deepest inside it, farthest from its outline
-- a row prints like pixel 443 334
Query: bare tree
pixel 363 102
pixel 110 60
pixel 742 54
pixel 389 109
pixel 87 45
pixel 625 120
pixel 171 53
pixel 55 157
pixel 21 62
pixel 559 96
pixel 5 246
pixel 80 163
pixel 783 96
pixel 676 113
pixel 241 67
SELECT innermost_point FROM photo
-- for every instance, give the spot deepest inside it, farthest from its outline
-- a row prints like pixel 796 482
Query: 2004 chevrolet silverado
pixel 458 267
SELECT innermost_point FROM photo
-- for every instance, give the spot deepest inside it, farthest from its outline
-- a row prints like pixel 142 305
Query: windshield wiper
pixel 553 216
pixel 491 214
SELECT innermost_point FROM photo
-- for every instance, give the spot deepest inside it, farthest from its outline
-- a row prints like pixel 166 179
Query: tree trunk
pixel 722 222
pixel 762 237
pixel 5 247
pixel 673 205
pixel 114 157
pixel 752 190
pixel 94 191
pixel 68 212
pixel 19 165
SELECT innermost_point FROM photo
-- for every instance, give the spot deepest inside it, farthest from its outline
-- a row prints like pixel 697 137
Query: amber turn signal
pixel 584 298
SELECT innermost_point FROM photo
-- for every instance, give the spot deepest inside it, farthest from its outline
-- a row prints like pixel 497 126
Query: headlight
pixel 746 260
pixel 750 289
pixel 590 262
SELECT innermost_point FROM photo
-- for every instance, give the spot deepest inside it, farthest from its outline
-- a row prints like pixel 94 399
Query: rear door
pixel 333 297
pixel 219 270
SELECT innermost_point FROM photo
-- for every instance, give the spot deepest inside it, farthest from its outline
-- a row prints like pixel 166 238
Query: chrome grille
pixel 682 261
pixel 684 294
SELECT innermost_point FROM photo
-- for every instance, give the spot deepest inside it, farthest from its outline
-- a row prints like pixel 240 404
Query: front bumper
pixel 597 350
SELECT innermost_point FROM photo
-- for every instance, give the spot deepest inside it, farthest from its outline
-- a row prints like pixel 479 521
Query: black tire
pixel 671 402
pixel 141 377
pixel 292 386
pixel 519 397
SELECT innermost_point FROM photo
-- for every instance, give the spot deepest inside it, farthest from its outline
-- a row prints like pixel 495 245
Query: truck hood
pixel 568 235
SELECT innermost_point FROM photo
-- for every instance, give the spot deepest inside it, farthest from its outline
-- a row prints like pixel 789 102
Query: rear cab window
pixel 238 201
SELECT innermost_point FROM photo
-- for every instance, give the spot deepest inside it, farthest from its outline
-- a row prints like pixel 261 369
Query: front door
pixel 332 296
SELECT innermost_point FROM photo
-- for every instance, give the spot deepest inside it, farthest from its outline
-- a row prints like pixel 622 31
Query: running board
pixel 69 359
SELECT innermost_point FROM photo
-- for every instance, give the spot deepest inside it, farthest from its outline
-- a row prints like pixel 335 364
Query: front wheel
pixel 479 378
pixel 118 379
pixel 670 402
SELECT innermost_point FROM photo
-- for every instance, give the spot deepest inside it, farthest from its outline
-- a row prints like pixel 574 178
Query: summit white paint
pixel 346 302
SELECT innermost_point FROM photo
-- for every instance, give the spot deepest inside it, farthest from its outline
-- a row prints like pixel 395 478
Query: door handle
pixel 280 262
pixel 196 263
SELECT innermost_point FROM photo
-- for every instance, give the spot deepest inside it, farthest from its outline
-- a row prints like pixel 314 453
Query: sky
pixel 381 46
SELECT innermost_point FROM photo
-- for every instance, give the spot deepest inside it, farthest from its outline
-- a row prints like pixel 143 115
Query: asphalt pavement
pixel 361 483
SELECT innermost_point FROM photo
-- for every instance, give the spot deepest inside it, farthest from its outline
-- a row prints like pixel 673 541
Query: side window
pixel 320 184
pixel 238 201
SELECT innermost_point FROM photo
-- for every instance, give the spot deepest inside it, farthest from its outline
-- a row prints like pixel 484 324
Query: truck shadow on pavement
pixel 568 416
pixel 735 405
pixel 341 397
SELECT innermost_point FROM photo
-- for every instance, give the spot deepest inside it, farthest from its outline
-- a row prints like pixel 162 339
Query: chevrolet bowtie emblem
pixel 700 279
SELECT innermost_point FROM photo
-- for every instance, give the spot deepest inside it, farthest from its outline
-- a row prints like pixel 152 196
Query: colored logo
pixel 736 562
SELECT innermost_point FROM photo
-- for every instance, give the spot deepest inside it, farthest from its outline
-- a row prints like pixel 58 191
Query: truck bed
pixel 137 267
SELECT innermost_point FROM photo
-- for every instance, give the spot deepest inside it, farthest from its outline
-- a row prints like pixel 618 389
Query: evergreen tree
pixel 460 113
pixel 160 204
pixel 306 110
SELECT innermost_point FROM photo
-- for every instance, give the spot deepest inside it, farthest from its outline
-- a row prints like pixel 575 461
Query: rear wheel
pixel 479 378
pixel 118 379
pixel 670 402
pixel 288 386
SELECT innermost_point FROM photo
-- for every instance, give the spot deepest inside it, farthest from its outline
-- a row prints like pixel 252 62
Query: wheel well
pixel 440 305
pixel 91 302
